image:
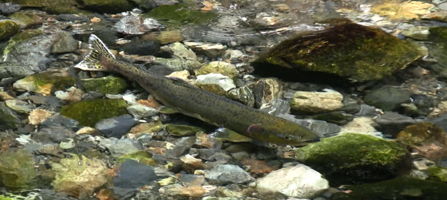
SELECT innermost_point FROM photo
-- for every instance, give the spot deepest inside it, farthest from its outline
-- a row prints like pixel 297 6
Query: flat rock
pixel 227 174
pixel 116 127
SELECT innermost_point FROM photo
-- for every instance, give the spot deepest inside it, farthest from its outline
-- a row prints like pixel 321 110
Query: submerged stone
pixel 133 174
pixel 399 188
pixel 79 177
pixel 108 6
pixel 182 130
pixel 427 139
pixel 139 156
pixel 88 113
pixel 59 6
pixel 45 82
pixel 7 29
pixel 219 67
pixel 351 157
pixel 105 85
pixel 180 13
pixel 17 170
pixel 349 50
pixel 116 126
pixel 8 118
pixel 387 98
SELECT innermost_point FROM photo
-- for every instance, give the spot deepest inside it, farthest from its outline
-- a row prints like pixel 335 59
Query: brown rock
pixel 427 139
pixel 38 115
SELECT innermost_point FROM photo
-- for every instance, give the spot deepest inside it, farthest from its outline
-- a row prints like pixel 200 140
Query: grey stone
pixel 55 134
pixel 117 126
pixel 15 69
pixel 65 44
pixel 20 106
pixel 227 174
pixel 387 98
pixel 133 174
pixel 181 146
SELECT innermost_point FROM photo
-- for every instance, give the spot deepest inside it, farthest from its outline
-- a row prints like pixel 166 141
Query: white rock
pixel 316 102
pixel 299 181
pixel 223 81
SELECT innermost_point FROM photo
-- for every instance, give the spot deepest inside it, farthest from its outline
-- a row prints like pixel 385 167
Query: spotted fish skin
pixel 198 103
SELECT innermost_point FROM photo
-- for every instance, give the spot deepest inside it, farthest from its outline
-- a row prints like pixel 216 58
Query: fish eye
pixel 287 138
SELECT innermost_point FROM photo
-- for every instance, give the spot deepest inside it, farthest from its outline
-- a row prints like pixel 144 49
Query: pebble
pixel 132 174
pixel 141 111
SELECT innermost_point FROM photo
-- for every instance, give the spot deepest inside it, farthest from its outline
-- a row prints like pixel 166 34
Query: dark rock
pixel 367 110
pixel 8 118
pixel 399 188
pixel 336 117
pixel 107 35
pixel 423 103
pixel 60 120
pixel 391 123
pixel 116 127
pixel 107 6
pixel 133 174
pixel 141 48
pixel 440 121
pixel 335 52
pixel 72 17
pixel 53 135
pixel 387 98
pixel 51 102
pixel 9 8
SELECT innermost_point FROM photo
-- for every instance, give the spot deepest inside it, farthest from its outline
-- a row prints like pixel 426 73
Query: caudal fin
pixel 97 49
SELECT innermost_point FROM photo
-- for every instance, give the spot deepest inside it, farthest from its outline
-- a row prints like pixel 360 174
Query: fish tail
pixel 98 49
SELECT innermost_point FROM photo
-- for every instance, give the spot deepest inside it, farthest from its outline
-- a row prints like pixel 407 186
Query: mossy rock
pixel 437 173
pixel 139 156
pixel 88 113
pixel 349 50
pixel 226 69
pixel 46 82
pixel 108 6
pixel 19 38
pixel 178 14
pixel 7 29
pixel 105 85
pixel 438 49
pixel 402 188
pixel 355 158
pixel 182 130
pixel 17 170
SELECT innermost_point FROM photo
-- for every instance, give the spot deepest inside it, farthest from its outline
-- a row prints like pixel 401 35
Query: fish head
pixel 290 134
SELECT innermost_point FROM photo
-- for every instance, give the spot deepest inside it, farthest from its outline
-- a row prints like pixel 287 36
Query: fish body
pixel 201 104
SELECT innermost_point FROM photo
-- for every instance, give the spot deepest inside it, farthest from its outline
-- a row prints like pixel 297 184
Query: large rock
pixel 349 50
pixel 225 174
pixel 299 181
pixel 356 158
pixel 387 98
pixel 88 113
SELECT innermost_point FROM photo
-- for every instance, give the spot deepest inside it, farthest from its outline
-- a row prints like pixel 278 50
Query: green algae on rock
pixel 349 50
pixel 400 188
pixel 20 38
pixel 108 6
pixel 105 85
pixel 437 173
pixel 88 113
pixel 356 158
pixel 226 69
pixel 79 177
pixel 7 29
pixel 180 13
pixel 182 130
pixel 139 156
pixel 17 170
pixel 45 82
